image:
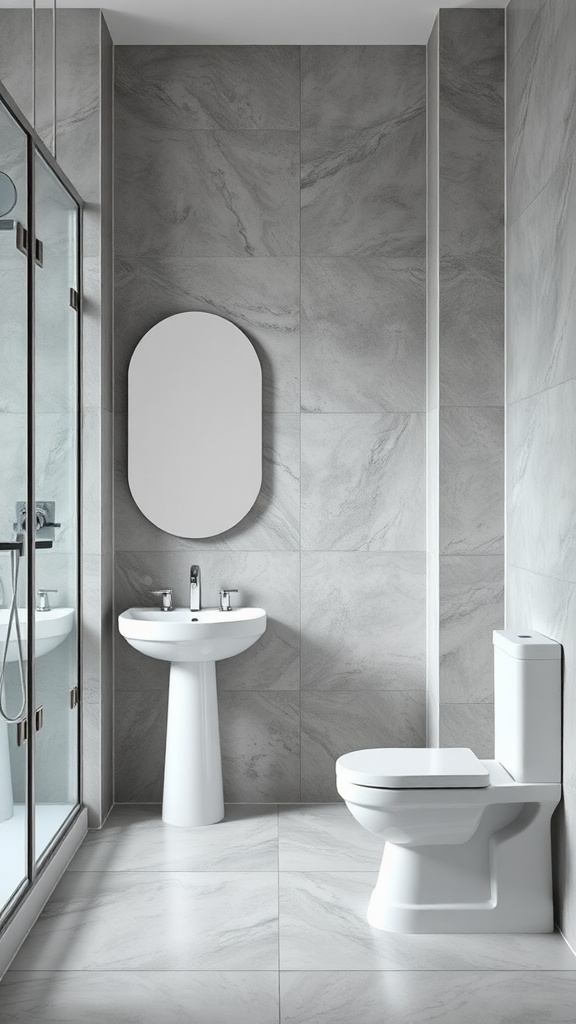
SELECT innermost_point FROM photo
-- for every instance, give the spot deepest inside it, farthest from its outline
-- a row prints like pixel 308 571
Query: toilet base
pixel 498 881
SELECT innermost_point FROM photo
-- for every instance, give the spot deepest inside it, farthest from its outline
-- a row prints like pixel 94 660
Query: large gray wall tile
pixel 334 723
pixel 541 303
pixel 361 86
pixel 471 606
pixel 471 481
pixel 471 124
pixel 260 737
pixel 520 15
pixel 345 209
pixel 140 742
pixel 363 482
pixel 206 193
pixel 363 621
pixel 541 447
pixel 432 389
pixel 363 326
pixel 432 218
pixel 468 725
pixel 465 367
pixel 363 151
pixel 471 327
pixel 541 121
pixel 191 87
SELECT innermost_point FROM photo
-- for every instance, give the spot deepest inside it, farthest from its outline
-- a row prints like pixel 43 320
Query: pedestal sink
pixel 51 628
pixel 192 642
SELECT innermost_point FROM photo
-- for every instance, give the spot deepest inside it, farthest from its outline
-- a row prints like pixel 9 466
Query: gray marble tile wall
pixel 465 372
pixel 284 188
pixel 84 152
pixel 541 364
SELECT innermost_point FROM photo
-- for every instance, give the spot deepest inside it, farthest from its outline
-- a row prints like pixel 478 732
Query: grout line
pixel 544 575
pixel 542 391
pixel 406 971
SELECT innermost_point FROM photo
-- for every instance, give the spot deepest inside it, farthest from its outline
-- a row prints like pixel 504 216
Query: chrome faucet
pixel 195 594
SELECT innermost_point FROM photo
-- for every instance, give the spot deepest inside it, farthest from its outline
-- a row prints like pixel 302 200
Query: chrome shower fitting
pixel 45 512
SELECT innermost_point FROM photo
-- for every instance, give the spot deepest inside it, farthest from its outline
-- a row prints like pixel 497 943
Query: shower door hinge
pixel 39 717
pixel 38 253
pixel 74 299
pixel 22 731
pixel 74 698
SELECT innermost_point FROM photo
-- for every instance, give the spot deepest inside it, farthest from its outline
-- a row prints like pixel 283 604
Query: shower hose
pixel 13 621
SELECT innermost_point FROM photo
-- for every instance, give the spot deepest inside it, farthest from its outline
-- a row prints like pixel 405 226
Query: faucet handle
pixel 43 603
pixel 225 602
pixel 166 594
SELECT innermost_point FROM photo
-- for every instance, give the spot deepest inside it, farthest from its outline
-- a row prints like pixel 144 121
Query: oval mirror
pixel 194 425
pixel 8 194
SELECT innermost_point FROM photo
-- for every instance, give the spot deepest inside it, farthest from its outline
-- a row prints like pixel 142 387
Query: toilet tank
pixel 527 705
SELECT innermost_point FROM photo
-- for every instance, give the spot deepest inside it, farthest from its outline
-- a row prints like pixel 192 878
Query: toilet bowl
pixel 467 841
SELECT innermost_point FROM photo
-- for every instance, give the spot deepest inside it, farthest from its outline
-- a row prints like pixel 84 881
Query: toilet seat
pixel 413 768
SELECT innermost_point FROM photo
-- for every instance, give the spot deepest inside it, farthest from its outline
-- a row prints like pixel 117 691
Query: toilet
pixel 467 841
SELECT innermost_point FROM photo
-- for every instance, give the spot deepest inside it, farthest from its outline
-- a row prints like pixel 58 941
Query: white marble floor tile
pixel 323 927
pixel 420 997
pixel 135 838
pixel 157 921
pixel 137 997
pixel 325 837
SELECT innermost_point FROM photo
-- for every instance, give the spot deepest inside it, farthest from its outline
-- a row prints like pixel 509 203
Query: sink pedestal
pixel 193 792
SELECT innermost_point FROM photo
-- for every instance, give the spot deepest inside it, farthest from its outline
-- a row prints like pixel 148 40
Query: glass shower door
pixel 13 482
pixel 56 458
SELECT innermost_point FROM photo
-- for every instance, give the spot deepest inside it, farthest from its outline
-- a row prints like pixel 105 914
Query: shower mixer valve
pixel 45 513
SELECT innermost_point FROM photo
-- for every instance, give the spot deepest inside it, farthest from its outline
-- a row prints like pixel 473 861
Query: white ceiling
pixel 316 22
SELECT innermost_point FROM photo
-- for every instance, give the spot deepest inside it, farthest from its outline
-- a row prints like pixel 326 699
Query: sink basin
pixel 52 628
pixel 192 642
pixel 182 635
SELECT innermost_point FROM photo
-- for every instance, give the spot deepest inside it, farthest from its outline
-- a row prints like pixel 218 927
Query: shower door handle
pixel 39 717
pixel 21 238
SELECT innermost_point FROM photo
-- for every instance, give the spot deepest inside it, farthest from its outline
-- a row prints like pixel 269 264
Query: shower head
pixel 8 194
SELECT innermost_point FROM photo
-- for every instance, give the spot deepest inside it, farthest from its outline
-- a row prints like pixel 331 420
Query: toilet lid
pixel 413 768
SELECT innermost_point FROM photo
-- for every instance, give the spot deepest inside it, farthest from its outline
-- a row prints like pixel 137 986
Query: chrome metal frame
pixel 34 146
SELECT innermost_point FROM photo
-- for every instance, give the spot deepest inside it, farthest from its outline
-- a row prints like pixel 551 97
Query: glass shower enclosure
pixel 39 505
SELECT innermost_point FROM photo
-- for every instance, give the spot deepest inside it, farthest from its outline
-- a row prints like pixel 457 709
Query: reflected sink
pixel 52 628
pixel 182 635
pixel 192 642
